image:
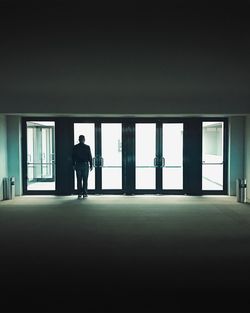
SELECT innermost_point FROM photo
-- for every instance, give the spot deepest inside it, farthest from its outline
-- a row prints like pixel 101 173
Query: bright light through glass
pixel 145 150
pixel 40 155
pixel 111 139
pixel 212 155
pixel 172 151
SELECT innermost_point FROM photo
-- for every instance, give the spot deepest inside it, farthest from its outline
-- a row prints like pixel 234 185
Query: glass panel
pixel 212 155
pixel 172 151
pixel 172 178
pixel 111 140
pixel 212 177
pixel 145 145
pixel 88 130
pixel 40 155
pixel 145 178
pixel 111 178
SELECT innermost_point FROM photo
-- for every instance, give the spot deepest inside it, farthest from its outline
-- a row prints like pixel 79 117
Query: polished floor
pixel 124 254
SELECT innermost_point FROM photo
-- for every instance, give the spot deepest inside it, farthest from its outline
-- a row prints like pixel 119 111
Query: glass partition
pixel 40 155
pixel 212 155
pixel 172 152
pixel 111 159
pixel 145 156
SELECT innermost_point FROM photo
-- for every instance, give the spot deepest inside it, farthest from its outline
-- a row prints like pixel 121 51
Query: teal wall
pixel 3 153
pixel 247 155
pixel 236 154
pixel 14 150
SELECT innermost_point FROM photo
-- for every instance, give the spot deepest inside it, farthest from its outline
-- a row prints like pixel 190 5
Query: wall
pixel 14 151
pixel 3 154
pixel 238 156
pixel 236 153
pixel 247 155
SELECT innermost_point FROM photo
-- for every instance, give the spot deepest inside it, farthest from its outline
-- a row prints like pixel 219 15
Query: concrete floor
pixel 124 254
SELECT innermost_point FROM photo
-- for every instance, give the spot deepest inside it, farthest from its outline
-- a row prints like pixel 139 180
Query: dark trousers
pixel 82 173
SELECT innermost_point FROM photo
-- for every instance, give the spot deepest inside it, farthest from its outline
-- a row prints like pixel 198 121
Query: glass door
pixel 145 156
pixel 172 156
pixel 88 130
pixel 132 155
pixel 111 156
pixel 158 157
pixel 40 155
pixel 212 155
pixel 105 141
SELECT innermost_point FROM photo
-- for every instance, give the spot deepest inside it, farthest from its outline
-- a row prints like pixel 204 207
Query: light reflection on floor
pixel 207 185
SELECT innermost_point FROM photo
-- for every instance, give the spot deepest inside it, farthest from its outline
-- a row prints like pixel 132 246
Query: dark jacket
pixel 81 153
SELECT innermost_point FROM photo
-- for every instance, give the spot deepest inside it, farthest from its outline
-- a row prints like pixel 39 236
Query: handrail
pixel 152 166
pixel 53 162
pixel 212 163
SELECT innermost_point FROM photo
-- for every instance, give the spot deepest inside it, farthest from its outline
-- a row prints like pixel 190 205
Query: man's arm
pixel 90 159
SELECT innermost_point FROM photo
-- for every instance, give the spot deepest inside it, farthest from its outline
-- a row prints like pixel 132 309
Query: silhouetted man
pixel 82 161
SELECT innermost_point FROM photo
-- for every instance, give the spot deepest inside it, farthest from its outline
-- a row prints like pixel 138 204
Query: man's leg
pixel 85 179
pixel 79 180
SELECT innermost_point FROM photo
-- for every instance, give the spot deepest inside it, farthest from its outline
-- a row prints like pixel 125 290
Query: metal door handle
pixel 101 162
pixel 212 163
pixel 94 162
pixel 155 162
pixel 163 162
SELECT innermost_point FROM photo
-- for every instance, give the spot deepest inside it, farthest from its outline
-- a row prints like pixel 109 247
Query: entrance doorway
pixel 158 157
pixel 40 155
pixel 105 141
pixel 130 155
pixel 212 155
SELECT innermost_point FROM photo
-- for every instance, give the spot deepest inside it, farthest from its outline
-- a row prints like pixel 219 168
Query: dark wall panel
pixel 64 166
pixel 193 156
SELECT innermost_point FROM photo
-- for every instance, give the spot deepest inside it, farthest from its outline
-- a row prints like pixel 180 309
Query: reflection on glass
pixel 212 155
pixel 111 139
pixel 88 130
pixel 172 152
pixel 145 150
pixel 40 155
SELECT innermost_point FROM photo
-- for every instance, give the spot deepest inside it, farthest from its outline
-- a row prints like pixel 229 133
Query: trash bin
pixel 12 187
pixel 241 190
pixel 9 188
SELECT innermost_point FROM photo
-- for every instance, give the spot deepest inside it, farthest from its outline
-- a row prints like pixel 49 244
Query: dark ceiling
pixel 184 52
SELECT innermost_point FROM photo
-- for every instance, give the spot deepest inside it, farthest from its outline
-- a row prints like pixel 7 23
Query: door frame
pixel 224 191
pixel 158 149
pixel 64 141
pixel 24 156
pixel 98 175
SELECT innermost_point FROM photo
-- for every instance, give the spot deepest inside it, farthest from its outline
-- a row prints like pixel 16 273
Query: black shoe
pixel 79 196
pixel 85 195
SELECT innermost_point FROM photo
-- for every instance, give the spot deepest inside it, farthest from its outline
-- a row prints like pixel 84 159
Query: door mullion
pixel 129 158
pixel 98 153
pixel 159 157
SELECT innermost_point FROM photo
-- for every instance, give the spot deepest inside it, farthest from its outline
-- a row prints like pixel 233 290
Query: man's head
pixel 81 139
